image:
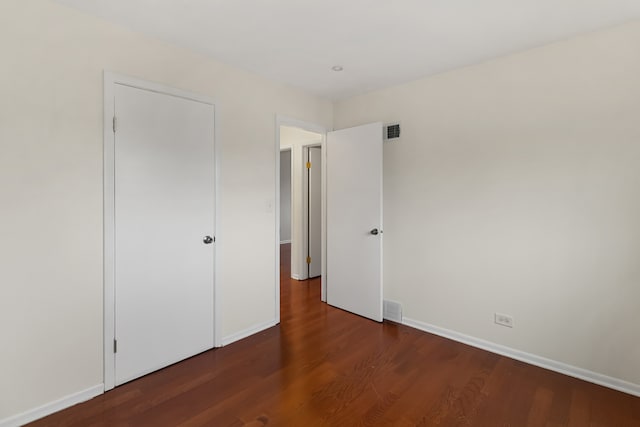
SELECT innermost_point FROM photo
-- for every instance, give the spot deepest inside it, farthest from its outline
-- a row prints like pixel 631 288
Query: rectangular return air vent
pixel 392 310
pixel 392 131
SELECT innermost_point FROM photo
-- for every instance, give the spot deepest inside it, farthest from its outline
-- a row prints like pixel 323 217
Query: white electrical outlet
pixel 503 319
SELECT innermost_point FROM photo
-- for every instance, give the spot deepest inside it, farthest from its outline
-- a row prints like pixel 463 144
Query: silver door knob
pixel 207 240
pixel 375 231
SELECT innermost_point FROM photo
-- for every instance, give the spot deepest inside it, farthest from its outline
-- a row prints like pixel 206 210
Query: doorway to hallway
pixel 301 200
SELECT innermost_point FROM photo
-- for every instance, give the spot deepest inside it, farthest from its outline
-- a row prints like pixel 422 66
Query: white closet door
pixel 164 209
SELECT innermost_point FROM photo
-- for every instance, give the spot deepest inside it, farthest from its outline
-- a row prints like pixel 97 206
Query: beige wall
pixel 51 189
pixel 515 188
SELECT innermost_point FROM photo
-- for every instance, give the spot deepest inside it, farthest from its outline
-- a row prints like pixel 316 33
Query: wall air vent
pixel 392 131
pixel 392 310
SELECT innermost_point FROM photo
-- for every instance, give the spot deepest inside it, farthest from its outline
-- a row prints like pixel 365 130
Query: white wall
pixel 51 189
pixel 285 196
pixel 515 188
pixel 296 139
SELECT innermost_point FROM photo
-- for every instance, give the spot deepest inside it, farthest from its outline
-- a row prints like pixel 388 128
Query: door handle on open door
pixel 375 232
pixel 207 240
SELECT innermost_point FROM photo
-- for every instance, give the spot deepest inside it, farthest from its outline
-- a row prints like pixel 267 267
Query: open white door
pixel 164 225
pixel 354 220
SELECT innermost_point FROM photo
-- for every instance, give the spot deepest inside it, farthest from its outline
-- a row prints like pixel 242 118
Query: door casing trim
pixel 110 80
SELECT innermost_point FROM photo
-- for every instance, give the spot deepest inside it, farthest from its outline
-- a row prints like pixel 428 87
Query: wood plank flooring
pixel 325 367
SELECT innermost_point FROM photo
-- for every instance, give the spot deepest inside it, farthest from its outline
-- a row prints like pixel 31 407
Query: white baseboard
pixel 298 277
pixel 247 332
pixel 284 242
pixel 51 407
pixel 532 359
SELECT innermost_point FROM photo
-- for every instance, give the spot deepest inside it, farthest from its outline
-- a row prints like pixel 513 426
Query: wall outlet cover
pixel 503 320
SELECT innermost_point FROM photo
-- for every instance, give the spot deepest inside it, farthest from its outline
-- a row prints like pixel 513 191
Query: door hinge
pixel 114 124
pixel 308 260
pixel 308 165
pixel 115 346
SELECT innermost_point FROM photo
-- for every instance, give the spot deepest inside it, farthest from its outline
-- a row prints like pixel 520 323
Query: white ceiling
pixel 378 42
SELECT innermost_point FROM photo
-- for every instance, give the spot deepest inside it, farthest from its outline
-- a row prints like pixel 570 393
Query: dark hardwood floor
pixel 325 367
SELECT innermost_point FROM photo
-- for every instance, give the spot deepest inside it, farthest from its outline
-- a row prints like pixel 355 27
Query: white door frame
pixel 311 127
pixel 110 81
